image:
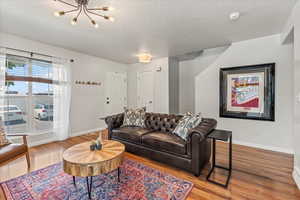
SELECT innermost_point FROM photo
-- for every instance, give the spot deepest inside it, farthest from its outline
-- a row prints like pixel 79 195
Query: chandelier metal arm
pixel 79 12
pixel 69 11
pixel 95 13
pixel 97 9
pixel 69 4
pixel 85 10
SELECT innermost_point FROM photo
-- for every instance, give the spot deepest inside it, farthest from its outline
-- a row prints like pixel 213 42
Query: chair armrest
pixel 16 135
pixel 20 135
pixel 114 121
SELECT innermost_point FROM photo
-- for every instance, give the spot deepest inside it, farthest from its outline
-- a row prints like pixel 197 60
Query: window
pixel 28 100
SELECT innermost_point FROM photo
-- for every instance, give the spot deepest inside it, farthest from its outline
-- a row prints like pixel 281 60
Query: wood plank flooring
pixel 257 174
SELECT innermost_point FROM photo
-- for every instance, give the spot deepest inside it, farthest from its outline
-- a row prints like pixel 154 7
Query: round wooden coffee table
pixel 79 160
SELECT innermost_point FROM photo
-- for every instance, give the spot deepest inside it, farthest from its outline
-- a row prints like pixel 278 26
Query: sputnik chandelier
pixel 80 7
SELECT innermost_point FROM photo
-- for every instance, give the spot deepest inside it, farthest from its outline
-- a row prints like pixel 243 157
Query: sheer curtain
pixel 2 80
pixel 62 98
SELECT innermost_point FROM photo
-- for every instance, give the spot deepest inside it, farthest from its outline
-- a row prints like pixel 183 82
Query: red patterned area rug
pixel 137 181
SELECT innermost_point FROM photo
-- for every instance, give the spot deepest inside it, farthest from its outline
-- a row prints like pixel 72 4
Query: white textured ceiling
pixel 161 27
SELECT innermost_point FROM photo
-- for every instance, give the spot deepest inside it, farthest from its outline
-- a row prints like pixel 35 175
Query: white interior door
pixel 116 92
pixel 145 90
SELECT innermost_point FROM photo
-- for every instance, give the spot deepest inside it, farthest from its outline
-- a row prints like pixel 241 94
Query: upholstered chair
pixel 13 151
pixel 10 151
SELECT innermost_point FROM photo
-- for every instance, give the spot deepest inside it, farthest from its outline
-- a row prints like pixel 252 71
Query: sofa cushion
pixel 132 134
pixel 165 142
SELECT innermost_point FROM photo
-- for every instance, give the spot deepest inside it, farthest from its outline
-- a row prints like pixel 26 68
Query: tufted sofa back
pixel 162 122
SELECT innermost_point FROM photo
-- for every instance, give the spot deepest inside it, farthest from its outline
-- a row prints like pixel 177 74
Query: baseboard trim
pixel 277 149
pixel 87 131
pixel 296 176
pixel 52 139
pixel 40 142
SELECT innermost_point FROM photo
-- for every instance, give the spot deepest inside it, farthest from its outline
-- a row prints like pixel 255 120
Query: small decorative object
pixel 248 92
pixel 87 83
pixel 93 146
pixel 100 137
pixel 98 145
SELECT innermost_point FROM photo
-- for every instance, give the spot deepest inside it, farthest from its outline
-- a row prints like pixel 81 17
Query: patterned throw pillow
pixel 3 140
pixel 134 117
pixel 186 123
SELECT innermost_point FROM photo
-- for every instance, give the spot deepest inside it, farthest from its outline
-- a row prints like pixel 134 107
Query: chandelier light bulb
pixel 107 8
pixel 94 24
pixel 74 21
pixel 112 19
pixel 59 13
pixel 56 14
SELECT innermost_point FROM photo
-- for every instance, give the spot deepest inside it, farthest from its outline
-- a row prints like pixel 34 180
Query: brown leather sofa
pixel 157 142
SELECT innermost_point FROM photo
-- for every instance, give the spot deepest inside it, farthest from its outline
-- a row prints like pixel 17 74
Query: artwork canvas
pixel 247 92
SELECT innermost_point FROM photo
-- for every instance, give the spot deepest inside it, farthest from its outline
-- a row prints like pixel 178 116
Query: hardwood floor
pixel 257 174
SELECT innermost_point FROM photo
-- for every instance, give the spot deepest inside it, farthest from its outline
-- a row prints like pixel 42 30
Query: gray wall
pixel 173 85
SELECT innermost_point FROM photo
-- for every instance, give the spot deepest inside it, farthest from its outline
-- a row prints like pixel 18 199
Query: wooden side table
pixel 79 160
pixel 221 135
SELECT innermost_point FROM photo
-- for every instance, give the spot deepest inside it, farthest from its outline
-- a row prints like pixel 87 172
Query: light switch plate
pixel 298 97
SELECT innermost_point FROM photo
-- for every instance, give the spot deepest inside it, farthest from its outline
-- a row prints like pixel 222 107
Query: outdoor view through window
pixel 28 100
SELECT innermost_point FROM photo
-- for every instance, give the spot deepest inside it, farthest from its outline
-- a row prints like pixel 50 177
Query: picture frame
pixel 248 92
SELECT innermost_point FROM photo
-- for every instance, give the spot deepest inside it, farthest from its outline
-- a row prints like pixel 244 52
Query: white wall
pixel 161 84
pixel 269 135
pixel 188 70
pixel 87 101
pixel 297 93
pixel 291 34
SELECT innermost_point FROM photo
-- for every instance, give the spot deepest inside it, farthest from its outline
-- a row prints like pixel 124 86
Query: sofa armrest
pixel 114 121
pixel 204 128
pixel 198 147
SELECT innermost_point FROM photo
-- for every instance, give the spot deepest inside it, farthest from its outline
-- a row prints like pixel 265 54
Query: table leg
pixel 214 153
pixel 213 159
pixel 214 165
pixel 119 172
pixel 89 186
pixel 74 181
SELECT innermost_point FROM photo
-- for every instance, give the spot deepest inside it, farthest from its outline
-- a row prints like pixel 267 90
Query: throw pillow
pixel 3 140
pixel 134 117
pixel 187 122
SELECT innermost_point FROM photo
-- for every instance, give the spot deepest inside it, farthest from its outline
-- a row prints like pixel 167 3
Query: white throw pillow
pixel 134 117
pixel 186 123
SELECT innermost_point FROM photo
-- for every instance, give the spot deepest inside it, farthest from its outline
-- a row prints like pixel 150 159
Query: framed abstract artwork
pixel 248 92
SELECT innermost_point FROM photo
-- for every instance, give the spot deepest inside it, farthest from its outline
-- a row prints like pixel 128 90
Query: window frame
pixel 29 104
